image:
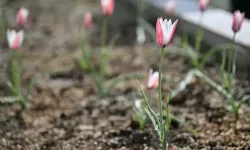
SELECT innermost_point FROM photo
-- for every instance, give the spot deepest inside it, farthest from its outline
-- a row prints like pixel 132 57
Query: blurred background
pixel 232 5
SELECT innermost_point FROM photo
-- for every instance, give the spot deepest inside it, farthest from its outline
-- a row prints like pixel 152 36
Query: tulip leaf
pixel 29 88
pixel 124 77
pixel 153 117
pixel 9 84
pixel 169 118
pixel 147 26
pixel 9 99
pixel 242 101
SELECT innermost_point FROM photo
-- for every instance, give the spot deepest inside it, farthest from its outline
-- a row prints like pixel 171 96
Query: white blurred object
pixel 141 36
pixel 170 7
pixel 138 104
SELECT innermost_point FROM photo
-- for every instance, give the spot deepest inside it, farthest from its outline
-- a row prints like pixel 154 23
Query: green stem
pixel 2 23
pixel 160 95
pixel 230 57
pixel 222 68
pixel 83 43
pixel 102 54
pixel 199 37
pixel 104 32
pixel 15 74
pixel 164 144
pixel 231 76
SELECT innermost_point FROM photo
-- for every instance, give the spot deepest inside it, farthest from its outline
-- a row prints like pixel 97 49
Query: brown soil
pixel 64 111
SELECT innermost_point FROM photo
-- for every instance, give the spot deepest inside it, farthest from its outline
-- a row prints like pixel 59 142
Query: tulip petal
pixel 107 7
pixel 15 39
pixel 21 37
pixel 203 4
pixel 172 31
pixel 159 32
pixel 153 80
pixel 238 19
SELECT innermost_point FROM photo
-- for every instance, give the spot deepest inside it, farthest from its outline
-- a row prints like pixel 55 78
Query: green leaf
pixel 242 101
pixel 9 84
pixel 29 88
pixel 217 48
pixel 15 73
pixel 9 99
pixel 185 43
pixel 147 26
pixel 141 117
pixel 86 60
pixel 153 117
pixel 169 119
pixel 169 96
pixel 82 63
pixel 125 77
pixel 153 121
pixel 113 40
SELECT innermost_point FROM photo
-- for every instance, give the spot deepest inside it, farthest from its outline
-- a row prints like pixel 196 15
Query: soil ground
pixel 65 113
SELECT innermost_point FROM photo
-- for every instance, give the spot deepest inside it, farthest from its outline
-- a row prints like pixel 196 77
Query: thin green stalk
pixel 222 68
pixel 164 144
pixel 104 32
pixel 231 76
pixel 2 24
pixel 199 35
pixel 15 74
pixel 103 44
pixel 228 79
pixel 230 57
pixel 102 54
pixel 198 40
pixel 83 42
pixel 160 95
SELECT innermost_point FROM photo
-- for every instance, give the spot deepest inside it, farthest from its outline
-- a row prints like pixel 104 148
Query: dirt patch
pixel 64 111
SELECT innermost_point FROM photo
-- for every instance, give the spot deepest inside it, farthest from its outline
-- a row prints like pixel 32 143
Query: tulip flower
pixel 153 79
pixel 87 20
pixel 15 39
pixel 238 19
pixel 107 7
pixel 22 16
pixel 164 31
pixel 203 4
pixel 170 7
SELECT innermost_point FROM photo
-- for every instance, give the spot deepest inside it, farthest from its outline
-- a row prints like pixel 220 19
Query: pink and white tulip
pixel 87 20
pixel 165 31
pixel 170 7
pixel 107 7
pixel 153 79
pixel 22 16
pixel 203 4
pixel 15 39
pixel 238 19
